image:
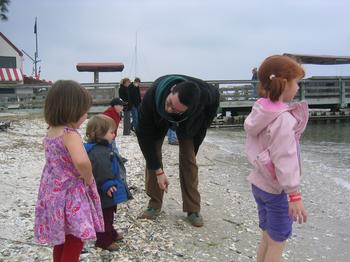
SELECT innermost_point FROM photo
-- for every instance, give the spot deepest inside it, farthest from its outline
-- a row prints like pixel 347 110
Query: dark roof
pixel 31 80
pixel 320 59
pixel 11 44
pixel 100 67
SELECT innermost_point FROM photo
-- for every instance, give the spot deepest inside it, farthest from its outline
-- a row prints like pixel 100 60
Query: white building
pixel 11 62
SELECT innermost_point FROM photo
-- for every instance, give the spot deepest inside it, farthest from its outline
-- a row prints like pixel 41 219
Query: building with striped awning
pixel 11 62
pixel 11 75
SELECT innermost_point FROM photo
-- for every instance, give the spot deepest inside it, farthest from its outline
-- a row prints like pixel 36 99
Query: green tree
pixel 3 9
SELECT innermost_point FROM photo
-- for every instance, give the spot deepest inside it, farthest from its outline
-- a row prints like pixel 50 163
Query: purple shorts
pixel 273 214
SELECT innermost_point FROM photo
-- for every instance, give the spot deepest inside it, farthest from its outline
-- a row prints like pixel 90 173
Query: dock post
pixel 343 103
pixel 302 91
pixel 96 78
pixel 116 90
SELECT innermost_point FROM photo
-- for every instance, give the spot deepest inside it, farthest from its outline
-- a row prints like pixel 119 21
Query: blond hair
pixel 97 127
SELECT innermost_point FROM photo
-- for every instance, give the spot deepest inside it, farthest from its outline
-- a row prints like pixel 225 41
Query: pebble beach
pixel 230 232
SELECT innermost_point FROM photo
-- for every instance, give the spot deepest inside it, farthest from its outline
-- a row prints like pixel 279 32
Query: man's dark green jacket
pixel 153 124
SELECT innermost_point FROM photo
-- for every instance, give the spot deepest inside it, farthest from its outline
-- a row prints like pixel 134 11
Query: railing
pixel 322 92
pixel 33 96
pixel 318 92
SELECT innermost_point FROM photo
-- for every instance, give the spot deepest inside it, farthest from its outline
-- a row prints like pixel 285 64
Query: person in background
pixel 191 105
pixel 124 95
pixel 114 110
pixel 110 175
pixel 273 132
pixel 134 101
pixel 254 85
pixel 172 138
pixel 68 209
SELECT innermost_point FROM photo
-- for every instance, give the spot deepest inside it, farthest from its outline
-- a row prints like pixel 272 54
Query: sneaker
pixel 150 213
pixel 113 247
pixel 195 219
pixel 123 159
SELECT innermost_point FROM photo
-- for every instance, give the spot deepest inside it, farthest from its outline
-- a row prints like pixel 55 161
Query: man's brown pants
pixel 188 178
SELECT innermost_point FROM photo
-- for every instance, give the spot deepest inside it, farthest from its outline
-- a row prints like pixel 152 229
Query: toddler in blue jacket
pixel 109 173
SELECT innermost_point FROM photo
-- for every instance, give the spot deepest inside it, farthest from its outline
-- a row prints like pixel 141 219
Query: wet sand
pixel 230 232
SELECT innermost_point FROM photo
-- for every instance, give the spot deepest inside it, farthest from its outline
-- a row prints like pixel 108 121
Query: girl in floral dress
pixel 68 209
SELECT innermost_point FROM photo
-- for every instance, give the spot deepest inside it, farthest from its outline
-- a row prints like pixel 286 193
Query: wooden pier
pixel 329 95
pixel 320 92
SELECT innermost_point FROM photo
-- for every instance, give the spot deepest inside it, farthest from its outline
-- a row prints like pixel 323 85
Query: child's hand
pixel 88 180
pixel 111 190
pixel 297 211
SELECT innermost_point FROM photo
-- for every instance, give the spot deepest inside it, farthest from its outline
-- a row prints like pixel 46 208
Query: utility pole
pixel 36 54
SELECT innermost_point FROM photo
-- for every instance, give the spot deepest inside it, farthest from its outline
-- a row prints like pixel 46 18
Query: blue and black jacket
pixel 108 171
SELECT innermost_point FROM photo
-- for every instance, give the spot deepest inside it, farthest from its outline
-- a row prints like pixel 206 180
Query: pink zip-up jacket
pixel 272 146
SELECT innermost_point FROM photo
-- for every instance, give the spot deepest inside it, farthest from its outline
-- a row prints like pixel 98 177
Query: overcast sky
pixel 208 39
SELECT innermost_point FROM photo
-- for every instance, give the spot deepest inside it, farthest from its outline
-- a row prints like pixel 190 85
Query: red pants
pixel 69 251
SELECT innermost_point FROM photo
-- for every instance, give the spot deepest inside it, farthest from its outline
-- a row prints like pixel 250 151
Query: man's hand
pixel 111 190
pixel 297 211
pixel 163 182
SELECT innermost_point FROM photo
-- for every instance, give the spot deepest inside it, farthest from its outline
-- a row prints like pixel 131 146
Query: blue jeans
pixel 171 135
pixel 135 117
pixel 126 123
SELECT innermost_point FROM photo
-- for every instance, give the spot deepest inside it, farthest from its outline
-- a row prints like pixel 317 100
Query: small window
pixel 8 62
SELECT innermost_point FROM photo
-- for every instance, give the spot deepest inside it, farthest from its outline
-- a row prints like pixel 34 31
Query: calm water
pixel 325 148
pixel 323 132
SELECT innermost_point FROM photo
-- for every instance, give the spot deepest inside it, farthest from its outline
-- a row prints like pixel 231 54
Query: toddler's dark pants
pixel 69 251
pixel 105 239
pixel 188 178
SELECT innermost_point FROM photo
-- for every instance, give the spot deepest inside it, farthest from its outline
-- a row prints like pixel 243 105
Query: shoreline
pixel 230 231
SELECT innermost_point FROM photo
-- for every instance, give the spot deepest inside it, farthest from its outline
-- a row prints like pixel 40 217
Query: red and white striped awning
pixel 11 75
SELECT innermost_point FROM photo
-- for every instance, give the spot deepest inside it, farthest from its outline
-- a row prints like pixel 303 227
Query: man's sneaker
pixel 195 219
pixel 150 213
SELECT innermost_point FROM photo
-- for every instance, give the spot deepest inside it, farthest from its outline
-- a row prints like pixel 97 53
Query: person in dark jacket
pixel 254 84
pixel 134 101
pixel 187 105
pixel 110 175
pixel 124 95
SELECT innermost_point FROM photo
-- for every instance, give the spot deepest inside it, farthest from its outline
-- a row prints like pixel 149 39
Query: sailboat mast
pixel 136 55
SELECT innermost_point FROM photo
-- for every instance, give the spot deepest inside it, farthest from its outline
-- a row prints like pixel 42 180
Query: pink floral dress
pixel 65 204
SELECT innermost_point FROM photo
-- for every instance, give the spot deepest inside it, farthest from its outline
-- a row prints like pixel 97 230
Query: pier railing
pixel 320 92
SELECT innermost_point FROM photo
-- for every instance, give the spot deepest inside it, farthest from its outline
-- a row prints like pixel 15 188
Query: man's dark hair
pixel 189 93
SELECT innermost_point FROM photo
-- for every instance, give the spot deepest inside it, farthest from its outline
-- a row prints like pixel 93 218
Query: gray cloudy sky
pixel 209 39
